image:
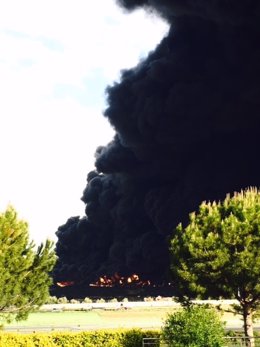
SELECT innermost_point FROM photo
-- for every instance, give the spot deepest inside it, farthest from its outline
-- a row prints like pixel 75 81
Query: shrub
pixel 63 300
pixel 132 338
pixel 194 326
pixel 100 301
pixel 87 300
pixel 113 338
pixel 52 300
pixel 113 300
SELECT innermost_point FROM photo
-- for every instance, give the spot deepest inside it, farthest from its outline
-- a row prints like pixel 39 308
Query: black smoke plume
pixel 187 130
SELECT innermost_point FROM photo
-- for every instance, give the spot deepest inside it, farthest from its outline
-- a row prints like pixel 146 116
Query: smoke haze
pixel 187 130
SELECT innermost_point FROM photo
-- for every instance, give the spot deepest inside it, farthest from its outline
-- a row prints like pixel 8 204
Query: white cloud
pixel 48 139
pixel 98 35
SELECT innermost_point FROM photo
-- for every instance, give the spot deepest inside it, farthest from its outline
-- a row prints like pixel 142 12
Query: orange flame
pixel 116 279
pixel 65 284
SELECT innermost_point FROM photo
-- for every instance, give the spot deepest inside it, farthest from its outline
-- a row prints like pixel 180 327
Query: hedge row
pixel 113 338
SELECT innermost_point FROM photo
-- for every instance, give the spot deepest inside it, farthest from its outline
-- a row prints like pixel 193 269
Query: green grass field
pixel 58 318
pixel 96 319
pixel 147 318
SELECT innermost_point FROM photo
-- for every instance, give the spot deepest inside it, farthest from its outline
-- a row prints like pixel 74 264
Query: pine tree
pixel 25 272
pixel 218 253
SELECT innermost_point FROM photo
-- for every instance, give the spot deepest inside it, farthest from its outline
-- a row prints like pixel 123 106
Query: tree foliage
pixel 218 253
pixel 25 271
pixel 195 326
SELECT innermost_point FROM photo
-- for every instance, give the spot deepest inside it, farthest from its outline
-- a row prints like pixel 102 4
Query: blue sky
pixel 57 57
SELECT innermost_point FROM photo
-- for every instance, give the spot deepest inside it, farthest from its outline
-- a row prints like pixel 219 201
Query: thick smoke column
pixel 230 11
pixel 187 130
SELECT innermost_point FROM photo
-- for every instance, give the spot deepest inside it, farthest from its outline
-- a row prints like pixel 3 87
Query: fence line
pixel 230 341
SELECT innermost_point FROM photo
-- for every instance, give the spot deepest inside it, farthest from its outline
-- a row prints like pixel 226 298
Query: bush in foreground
pixel 113 338
pixel 194 326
